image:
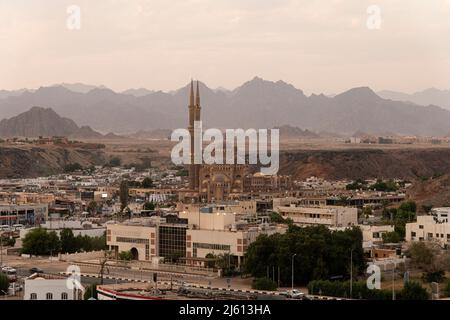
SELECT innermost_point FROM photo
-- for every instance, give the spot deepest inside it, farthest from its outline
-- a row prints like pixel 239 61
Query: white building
pixel 331 216
pixel 50 287
pixel 441 214
pixel 83 228
pixel 428 228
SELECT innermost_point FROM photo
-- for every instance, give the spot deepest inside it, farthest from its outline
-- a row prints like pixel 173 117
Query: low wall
pixel 82 256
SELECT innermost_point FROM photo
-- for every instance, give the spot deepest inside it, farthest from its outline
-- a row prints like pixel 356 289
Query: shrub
pixel 4 283
pixel 126 255
pixel 413 291
pixel 264 284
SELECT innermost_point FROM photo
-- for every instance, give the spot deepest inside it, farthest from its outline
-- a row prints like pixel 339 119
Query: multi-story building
pixel 331 216
pixel 23 214
pixel 189 237
pixel 429 228
pixel 237 207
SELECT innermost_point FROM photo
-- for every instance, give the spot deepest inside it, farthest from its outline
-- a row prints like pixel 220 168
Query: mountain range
pixel 431 96
pixel 257 103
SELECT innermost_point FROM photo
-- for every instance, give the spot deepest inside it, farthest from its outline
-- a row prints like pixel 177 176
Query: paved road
pixel 56 267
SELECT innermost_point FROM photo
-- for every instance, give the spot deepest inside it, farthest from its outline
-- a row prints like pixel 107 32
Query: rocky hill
pixel 34 161
pixel 412 164
pixel 434 191
pixel 43 122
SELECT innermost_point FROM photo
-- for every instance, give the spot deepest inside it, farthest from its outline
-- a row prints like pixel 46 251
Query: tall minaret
pixel 191 132
pixel 194 115
pixel 197 110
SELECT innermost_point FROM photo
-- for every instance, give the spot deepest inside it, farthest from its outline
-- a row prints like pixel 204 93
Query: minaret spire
pixel 197 101
pixel 191 101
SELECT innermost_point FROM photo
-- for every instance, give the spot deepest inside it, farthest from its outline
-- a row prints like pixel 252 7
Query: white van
pixel 5 228
pixel 17 227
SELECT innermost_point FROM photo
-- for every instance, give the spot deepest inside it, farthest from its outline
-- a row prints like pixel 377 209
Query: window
pixel 132 240
pixel 49 296
pixel 33 296
pixel 413 234
pixel 64 296
pixel 420 226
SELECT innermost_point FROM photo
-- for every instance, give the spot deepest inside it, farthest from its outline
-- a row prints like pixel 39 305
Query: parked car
pixel 10 272
pixel 18 227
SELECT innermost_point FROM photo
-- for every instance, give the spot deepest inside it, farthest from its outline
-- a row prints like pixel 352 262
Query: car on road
pixel 295 294
pixel 36 270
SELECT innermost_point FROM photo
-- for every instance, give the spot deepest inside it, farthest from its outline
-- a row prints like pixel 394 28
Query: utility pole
pixel 278 276
pixel 1 250
pixel 292 276
pixel 351 273
pixel 273 273
pixel 393 282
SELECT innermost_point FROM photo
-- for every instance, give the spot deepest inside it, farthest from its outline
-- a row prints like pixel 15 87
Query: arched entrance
pixel 134 253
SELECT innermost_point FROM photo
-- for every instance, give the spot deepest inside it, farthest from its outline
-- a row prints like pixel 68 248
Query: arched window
pixel 33 296
pixel 49 296
pixel 64 296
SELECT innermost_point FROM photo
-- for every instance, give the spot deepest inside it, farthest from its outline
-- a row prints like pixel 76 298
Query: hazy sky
pixel 317 45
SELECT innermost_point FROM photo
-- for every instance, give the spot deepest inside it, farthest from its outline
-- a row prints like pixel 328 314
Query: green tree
pixel 386 186
pixel 447 288
pixel 68 241
pixel 149 205
pixel 123 195
pixel 264 284
pixel 413 291
pixel 391 237
pixel 422 255
pixel 277 218
pixel 90 292
pixel 4 283
pixel 125 255
pixel 92 207
pixel 40 242
pixel 320 252
pixel 147 183
pixel 434 276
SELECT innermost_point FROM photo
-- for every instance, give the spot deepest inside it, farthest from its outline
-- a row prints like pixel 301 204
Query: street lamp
pixel 393 280
pixel 351 272
pixel 292 277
